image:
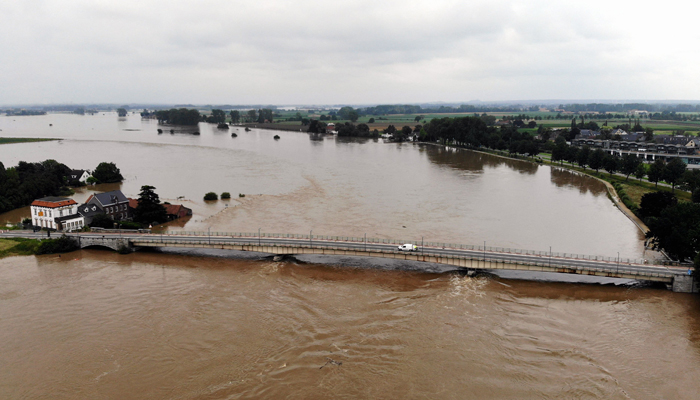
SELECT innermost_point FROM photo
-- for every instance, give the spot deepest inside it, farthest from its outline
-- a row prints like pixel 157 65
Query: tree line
pixel 26 182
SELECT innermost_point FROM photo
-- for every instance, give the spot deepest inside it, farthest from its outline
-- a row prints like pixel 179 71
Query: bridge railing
pixel 554 263
pixel 434 245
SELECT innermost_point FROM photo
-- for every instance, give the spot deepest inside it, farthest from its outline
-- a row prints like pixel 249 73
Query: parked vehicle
pixel 408 247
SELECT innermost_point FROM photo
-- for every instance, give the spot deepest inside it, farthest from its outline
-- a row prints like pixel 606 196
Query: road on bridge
pixel 493 256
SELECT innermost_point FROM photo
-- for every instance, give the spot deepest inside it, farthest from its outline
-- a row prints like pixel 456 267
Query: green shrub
pixel 241 195
pixel 225 195
pixel 129 225
pixel 64 244
pixel 211 196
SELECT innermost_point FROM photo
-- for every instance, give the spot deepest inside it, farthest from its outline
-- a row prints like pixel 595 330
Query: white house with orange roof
pixel 47 209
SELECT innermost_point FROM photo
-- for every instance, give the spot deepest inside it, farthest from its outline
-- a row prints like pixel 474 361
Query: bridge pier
pixel 684 284
pixel 114 243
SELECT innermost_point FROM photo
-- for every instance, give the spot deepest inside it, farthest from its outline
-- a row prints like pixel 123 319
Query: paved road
pixel 607 266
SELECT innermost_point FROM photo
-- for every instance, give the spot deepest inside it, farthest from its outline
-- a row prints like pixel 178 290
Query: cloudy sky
pixel 346 52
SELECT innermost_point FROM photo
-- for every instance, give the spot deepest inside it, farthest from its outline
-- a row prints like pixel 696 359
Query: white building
pixel 78 175
pixel 46 210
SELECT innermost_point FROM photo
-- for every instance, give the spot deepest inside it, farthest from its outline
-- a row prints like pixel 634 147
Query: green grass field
pixel 23 140
pixel 380 121
pixel 18 247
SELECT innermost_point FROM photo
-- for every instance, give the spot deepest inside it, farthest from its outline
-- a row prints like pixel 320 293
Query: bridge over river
pixel 462 256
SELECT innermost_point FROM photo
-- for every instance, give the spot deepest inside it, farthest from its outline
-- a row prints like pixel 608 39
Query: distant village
pixel 660 146
pixel 64 214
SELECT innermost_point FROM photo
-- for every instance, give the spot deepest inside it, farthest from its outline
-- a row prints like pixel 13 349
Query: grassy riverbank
pixel 26 247
pixel 7 140
pixel 625 193
pixel 18 247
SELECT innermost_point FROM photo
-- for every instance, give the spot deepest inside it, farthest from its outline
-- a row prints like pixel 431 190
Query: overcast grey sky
pixel 330 52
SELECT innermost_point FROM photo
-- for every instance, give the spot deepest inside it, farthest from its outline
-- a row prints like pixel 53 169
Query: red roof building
pixel 45 211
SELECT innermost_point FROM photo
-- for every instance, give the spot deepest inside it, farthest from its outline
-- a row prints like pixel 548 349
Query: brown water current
pixel 226 325
pixel 99 325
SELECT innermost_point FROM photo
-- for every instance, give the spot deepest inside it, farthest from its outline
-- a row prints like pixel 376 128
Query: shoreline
pixel 612 193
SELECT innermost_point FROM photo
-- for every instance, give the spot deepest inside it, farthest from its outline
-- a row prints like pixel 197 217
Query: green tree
pixel 235 116
pixel 102 221
pixel 652 204
pixel 211 196
pixel 677 231
pixel 344 112
pixel 649 135
pixel 181 116
pixel 121 112
pixel 149 209
pixel 611 164
pixel 251 116
pixel 225 195
pixel 673 172
pixel 107 173
pixel 596 158
pixel 559 152
pixel 371 121
pixel 640 172
pixel 217 116
pixel 690 181
pixel 629 164
pixel 582 156
pixel 656 170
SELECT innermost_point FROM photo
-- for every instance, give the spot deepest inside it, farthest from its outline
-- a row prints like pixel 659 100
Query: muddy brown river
pixel 222 325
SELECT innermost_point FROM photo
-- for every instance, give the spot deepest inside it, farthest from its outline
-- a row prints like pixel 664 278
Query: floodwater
pixel 337 186
pixel 226 325
pixel 99 325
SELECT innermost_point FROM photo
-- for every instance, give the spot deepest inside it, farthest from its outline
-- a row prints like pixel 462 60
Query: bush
pixel 107 173
pixel 211 196
pixel 64 244
pixel 225 195
pixel 102 221
pixel 241 195
pixel 128 225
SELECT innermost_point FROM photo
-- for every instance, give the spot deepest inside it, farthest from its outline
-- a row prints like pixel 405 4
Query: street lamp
pixel 209 233
pixel 422 252
pixel 618 262
pixel 311 243
pixel 550 256
pixel 365 242
pixel 484 253
pixel 259 237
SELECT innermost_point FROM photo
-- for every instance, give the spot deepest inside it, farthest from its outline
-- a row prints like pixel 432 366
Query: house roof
pixel 133 203
pixel 89 210
pixel 174 209
pixel 67 217
pixel 109 198
pixel 53 202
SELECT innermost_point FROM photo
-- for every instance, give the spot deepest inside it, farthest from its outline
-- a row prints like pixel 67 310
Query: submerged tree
pixel 149 209
pixel 107 173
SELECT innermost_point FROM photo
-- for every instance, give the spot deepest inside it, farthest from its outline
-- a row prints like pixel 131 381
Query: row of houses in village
pixel 689 148
pixel 65 214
